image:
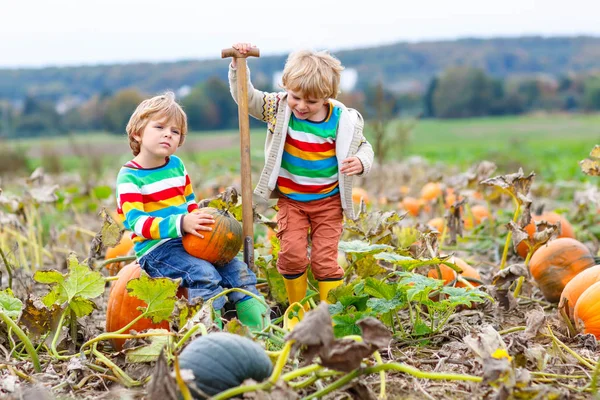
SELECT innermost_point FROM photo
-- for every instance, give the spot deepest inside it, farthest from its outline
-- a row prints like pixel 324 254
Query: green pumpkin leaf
pixel 345 324
pixel 362 247
pixel 383 306
pixel 9 304
pixel 392 258
pixel 367 266
pixel 151 351
pixel 102 192
pixel 420 328
pixel 409 263
pixel 359 302
pixel 379 289
pixel 158 293
pixel 463 296
pixel 417 286
pixel 74 288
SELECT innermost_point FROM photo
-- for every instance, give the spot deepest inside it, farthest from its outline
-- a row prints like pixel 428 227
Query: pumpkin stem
pixel 565 317
pixel 509 234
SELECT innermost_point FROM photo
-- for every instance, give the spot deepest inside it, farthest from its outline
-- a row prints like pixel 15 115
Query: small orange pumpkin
pixel 576 287
pixel 566 229
pixel 555 264
pixel 122 248
pixel 438 223
pixel 587 311
pixel 122 308
pixel 449 275
pixel 220 245
pixel 478 214
pixel 431 191
pixel 359 193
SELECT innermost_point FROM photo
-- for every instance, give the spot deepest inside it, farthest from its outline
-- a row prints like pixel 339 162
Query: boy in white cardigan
pixel 314 147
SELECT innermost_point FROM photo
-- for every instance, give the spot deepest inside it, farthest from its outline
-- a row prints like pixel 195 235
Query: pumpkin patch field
pixel 462 281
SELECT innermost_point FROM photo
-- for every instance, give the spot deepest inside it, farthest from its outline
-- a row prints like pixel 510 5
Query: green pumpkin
pixel 223 360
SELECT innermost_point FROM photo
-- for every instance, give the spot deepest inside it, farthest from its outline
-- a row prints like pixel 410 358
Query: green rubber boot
pixel 253 314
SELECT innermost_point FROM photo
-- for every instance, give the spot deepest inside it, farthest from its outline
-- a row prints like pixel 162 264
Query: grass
pixel 549 144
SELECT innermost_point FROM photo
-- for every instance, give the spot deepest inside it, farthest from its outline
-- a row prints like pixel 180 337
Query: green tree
pixel 119 109
pixel 463 92
pixel 209 106
pixel 591 94
pixel 39 117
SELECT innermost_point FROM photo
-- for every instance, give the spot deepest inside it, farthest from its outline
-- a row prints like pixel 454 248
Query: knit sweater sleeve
pixel 261 105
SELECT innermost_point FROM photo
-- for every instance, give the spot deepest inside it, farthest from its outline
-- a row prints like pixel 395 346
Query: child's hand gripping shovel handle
pixel 242 90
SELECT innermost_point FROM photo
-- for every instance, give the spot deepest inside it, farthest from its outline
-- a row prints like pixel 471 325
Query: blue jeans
pixel 203 279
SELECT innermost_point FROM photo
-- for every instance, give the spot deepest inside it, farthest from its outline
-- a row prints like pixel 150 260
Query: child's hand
pixel 242 48
pixel 352 166
pixel 196 221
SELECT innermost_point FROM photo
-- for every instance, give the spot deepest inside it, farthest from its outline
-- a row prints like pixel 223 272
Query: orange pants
pixel 324 219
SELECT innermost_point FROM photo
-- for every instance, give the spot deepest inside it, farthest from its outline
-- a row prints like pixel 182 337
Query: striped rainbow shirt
pixel 152 202
pixel 309 167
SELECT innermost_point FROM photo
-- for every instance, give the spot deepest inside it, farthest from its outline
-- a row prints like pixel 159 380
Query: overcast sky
pixel 35 33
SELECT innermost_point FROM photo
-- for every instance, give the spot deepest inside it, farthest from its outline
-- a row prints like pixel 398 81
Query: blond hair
pixel 162 107
pixel 313 74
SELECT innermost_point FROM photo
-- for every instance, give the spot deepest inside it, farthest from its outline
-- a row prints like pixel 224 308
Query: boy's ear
pixel 137 137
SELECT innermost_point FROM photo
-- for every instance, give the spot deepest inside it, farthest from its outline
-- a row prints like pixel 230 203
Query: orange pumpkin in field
pixel 556 263
pixel 478 214
pixel 587 311
pixel 122 248
pixel 122 308
pixel 220 245
pixel 431 191
pixel 566 229
pixel 576 287
pixel 438 223
pixel 449 275
pixel 359 193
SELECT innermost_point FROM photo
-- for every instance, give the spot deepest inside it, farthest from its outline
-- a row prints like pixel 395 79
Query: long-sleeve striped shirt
pixel 309 166
pixel 153 202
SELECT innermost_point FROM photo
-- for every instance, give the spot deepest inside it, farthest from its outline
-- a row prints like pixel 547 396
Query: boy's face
pixel 305 107
pixel 159 139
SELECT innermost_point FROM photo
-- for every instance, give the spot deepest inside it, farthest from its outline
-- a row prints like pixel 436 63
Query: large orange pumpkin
pixel 122 308
pixel 449 275
pixel 587 311
pixel 122 248
pixel 220 245
pixel 566 229
pixel 555 264
pixel 576 287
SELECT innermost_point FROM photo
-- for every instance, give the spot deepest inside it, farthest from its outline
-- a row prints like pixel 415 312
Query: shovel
pixel 247 210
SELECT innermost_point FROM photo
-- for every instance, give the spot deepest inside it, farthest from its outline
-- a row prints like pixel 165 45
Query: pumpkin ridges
pixel 575 288
pixel 566 229
pixel 555 264
pixel 587 311
pixel 220 245
pixel 210 359
pixel 122 308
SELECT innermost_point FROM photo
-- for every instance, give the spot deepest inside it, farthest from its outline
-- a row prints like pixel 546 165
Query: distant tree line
pixel 458 92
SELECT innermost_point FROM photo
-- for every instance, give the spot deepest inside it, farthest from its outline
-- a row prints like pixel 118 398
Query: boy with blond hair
pixel 314 147
pixel 157 203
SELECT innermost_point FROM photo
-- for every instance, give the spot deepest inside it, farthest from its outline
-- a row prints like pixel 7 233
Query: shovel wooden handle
pixel 246 169
pixel 231 52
